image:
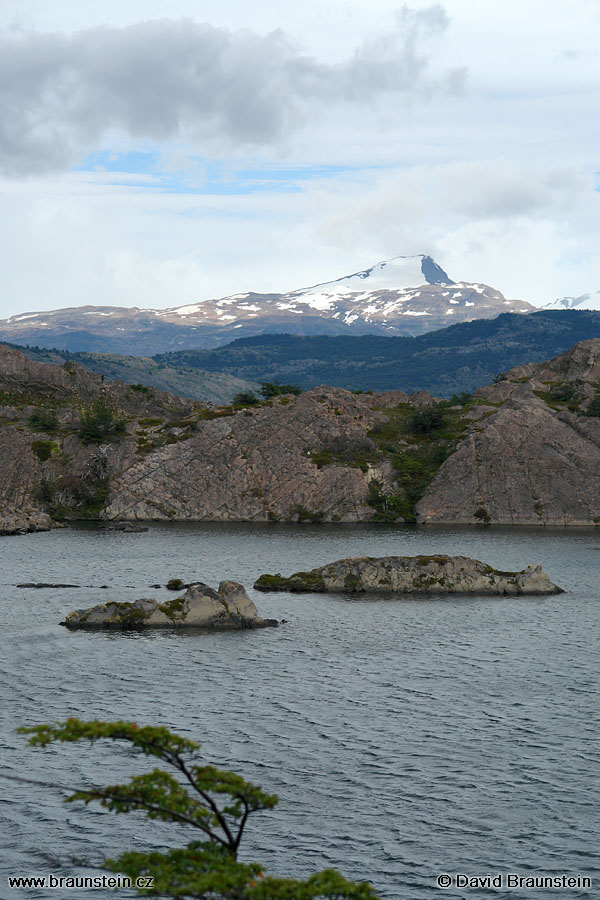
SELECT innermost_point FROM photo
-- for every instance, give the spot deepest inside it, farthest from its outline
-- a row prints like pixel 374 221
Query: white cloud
pixel 79 239
pixel 497 182
pixel 512 225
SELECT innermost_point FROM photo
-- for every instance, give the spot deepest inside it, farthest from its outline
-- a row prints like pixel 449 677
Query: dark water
pixel 405 738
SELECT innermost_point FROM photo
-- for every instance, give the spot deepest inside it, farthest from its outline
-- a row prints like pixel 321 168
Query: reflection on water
pixel 405 738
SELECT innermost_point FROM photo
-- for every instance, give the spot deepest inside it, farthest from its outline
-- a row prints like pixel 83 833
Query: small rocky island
pixel 200 607
pixel 411 575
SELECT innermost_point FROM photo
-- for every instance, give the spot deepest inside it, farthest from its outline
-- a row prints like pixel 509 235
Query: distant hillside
pixel 207 387
pixel 405 295
pixel 459 358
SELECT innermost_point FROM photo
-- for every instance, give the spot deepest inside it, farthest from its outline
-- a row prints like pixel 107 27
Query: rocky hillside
pixel 533 453
pixel 185 381
pixel 79 447
pixel 405 295
pixel 60 429
pixel 525 450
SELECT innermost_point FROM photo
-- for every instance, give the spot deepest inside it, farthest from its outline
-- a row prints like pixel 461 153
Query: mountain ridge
pixel 458 358
pixel 404 295
pixel 461 357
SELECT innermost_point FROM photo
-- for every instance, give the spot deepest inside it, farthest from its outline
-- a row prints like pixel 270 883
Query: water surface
pixel 404 737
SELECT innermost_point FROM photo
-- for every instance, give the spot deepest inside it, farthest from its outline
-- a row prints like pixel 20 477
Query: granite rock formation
pixel 525 450
pixel 533 457
pixel 256 465
pixel 411 575
pixel 201 606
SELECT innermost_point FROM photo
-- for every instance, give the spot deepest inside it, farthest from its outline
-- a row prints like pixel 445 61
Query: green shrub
pixel 44 449
pixel 245 398
pixel 270 389
pixel 426 420
pixel 461 399
pixel 44 419
pixel 562 392
pixel 99 421
pixel 322 458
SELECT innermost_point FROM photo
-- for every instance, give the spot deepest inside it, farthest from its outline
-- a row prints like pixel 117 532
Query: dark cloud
pixel 162 79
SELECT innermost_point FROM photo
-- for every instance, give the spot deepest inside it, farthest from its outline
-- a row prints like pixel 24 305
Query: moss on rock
pixel 298 583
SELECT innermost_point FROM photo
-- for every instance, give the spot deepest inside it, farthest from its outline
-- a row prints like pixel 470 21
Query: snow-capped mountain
pixel 585 301
pixel 405 295
pixel 387 295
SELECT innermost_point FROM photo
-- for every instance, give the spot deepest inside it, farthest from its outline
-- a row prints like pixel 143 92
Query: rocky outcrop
pixel 24 521
pixel 411 575
pixel 258 464
pixel 534 457
pixel 525 450
pixel 27 380
pixel 200 607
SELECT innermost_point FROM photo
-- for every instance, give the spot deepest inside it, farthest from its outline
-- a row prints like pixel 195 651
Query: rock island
pixel 411 575
pixel 200 607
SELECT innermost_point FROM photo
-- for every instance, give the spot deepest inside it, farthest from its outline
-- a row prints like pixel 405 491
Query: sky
pixel 154 153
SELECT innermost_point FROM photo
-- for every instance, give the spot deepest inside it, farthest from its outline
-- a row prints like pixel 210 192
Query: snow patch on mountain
pixel 584 301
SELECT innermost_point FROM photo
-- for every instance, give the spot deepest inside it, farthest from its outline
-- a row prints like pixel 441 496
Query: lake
pixel 405 737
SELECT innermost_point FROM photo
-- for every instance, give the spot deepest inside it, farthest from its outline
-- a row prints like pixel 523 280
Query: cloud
pixel 419 199
pixel 85 237
pixel 530 230
pixel 160 80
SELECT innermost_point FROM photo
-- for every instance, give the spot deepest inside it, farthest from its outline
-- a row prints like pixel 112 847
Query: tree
pixel 270 389
pixel 245 398
pixel 99 422
pixel 44 419
pixel 215 802
pixel 426 420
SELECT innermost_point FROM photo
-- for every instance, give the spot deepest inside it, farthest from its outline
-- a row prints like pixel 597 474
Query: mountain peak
pixel 401 295
pixel 433 273
pixel 396 273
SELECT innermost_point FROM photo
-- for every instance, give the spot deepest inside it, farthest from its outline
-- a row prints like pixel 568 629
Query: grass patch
pixel 298 583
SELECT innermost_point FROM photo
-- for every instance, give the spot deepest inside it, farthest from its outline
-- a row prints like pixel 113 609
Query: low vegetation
pixel 100 422
pixel 69 496
pixel 44 420
pixel 416 442
pixel 44 449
